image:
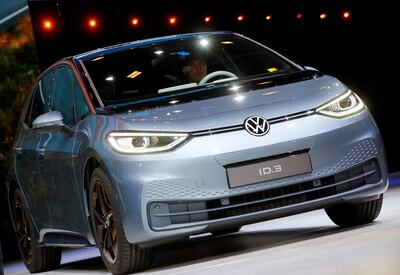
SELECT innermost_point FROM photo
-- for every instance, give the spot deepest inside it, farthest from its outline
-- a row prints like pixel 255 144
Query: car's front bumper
pixel 176 194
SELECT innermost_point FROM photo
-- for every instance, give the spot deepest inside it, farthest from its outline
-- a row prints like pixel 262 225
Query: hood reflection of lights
pixel 234 88
pixel 239 98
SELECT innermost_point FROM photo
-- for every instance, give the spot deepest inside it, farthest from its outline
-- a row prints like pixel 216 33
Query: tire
pixel 119 256
pixel 346 215
pixel 226 231
pixel 36 258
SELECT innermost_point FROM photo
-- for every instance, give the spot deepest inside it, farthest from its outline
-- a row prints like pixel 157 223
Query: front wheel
pixel 36 258
pixel 346 215
pixel 119 256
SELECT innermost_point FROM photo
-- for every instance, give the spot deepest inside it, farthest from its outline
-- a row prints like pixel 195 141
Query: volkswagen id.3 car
pixel 148 142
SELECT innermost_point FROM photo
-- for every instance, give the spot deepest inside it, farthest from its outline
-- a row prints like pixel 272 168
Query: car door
pixel 56 159
pixel 26 155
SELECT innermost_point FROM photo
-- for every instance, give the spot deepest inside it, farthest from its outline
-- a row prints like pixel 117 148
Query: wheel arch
pixel 12 185
pixel 92 161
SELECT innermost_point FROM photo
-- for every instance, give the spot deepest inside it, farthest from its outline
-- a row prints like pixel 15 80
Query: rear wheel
pixel 119 256
pixel 36 258
pixel 346 215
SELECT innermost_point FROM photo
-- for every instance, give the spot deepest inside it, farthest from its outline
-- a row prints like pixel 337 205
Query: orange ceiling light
pixel 346 15
pixel 93 23
pixel 135 21
pixel 48 24
pixel 172 20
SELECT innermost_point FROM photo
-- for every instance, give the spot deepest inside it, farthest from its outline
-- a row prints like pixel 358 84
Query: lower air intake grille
pixel 168 213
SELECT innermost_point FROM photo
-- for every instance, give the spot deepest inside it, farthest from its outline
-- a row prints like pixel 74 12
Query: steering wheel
pixel 215 74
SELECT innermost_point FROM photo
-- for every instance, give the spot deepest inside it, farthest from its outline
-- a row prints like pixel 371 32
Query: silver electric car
pixel 143 143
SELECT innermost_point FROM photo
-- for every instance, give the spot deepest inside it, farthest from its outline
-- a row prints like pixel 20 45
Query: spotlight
pixel 135 21
pixel 207 19
pixel 240 18
pixel 47 24
pixel 172 20
pixel 268 17
pixel 92 23
pixel 204 42
pixel 323 16
pixel 346 15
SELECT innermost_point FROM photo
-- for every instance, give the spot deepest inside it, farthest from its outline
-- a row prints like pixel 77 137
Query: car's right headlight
pixel 345 105
pixel 142 142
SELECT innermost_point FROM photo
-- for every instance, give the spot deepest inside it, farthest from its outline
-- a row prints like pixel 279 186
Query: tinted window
pixel 153 70
pixel 45 85
pixel 62 99
pixel 81 105
pixel 28 111
pixel 39 104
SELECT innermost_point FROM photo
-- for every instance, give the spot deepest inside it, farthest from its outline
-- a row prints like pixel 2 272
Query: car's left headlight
pixel 141 143
pixel 345 105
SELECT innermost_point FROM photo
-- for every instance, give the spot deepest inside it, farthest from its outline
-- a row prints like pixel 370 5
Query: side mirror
pixel 51 121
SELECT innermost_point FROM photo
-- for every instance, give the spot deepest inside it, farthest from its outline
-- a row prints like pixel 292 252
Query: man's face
pixel 196 70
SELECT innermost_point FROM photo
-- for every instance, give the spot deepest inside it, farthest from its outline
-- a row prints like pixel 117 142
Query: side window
pixel 81 105
pixel 40 99
pixel 38 106
pixel 62 99
pixel 28 111
pixel 45 85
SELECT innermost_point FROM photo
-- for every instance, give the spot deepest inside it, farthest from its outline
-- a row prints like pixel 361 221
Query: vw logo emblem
pixel 256 125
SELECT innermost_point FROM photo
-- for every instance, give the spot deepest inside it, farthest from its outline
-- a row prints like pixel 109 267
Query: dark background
pixel 361 51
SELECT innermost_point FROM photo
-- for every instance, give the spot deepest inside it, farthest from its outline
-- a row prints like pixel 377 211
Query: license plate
pixel 269 170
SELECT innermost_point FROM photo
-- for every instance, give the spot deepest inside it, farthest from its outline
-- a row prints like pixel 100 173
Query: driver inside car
pixel 195 69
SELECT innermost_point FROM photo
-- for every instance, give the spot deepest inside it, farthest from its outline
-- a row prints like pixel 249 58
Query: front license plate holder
pixel 267 170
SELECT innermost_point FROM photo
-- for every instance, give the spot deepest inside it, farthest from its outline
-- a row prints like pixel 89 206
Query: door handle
pixel 18 151
pixel 41 152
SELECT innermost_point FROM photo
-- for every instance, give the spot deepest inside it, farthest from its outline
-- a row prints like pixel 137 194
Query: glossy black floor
pixel 303 244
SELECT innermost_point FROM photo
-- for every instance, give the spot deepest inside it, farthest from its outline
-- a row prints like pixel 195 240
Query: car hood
pixel 240 102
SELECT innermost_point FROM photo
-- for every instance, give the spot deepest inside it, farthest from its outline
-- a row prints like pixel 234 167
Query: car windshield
pixel 156 69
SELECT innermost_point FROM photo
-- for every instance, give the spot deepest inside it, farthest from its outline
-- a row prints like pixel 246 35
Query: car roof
pixel 133 44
